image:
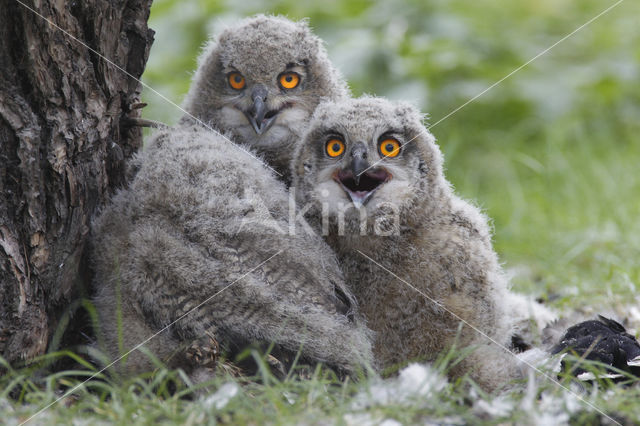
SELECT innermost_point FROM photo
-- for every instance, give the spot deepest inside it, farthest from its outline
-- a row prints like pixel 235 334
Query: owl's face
pixel 262 79
pixel 368 155
pixel 263 107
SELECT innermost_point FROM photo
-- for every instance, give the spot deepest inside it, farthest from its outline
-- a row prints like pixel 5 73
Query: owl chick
pixel 259 82
pixel 198 246
pixel 418 258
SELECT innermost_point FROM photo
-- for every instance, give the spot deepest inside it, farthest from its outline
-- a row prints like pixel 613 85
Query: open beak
pixel 358 181
pixel 260 118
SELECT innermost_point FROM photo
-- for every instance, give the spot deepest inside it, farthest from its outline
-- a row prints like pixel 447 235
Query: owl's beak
pixel 359 163
pixel 358 180
pixel 361 188
pixel 259 116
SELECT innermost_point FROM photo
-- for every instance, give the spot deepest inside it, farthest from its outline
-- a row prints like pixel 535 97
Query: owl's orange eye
pixel 289 80
pixel 335 147
pixel 236 80
pixel 389 148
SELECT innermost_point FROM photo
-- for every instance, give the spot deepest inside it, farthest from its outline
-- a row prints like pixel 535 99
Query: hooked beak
pixel 358 166
pixel 260 118
pixel 357 180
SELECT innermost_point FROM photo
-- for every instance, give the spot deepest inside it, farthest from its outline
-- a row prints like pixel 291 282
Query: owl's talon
pixel 203 352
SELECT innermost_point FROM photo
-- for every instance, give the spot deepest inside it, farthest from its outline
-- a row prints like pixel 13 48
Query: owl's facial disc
pixel 360 186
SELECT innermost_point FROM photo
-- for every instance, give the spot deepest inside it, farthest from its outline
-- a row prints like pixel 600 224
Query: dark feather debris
pixel 604 340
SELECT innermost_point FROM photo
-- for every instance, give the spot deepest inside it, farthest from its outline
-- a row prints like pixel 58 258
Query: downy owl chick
pixel 204 230
pixel 259 82
pixel 418 258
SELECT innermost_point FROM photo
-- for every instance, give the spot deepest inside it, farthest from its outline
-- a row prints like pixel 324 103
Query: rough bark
pixel 63 144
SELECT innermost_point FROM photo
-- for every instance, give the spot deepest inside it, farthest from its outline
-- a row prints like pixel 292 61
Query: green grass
pixel 168 397
pixel 551 155
pixel 565 208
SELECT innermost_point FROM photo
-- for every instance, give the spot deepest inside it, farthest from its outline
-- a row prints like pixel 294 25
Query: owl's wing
pixel 200 253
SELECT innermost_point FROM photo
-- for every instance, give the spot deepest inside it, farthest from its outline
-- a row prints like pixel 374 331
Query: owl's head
pixel 261 79
pixel 370 155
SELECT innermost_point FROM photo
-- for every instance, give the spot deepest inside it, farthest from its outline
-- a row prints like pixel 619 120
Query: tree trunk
pixel 64 139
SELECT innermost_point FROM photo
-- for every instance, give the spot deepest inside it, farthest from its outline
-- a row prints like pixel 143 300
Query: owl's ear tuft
pixel 408 113
pixel 303 28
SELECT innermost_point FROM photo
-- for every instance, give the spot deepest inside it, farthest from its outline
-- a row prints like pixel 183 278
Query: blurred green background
pixel 551 154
